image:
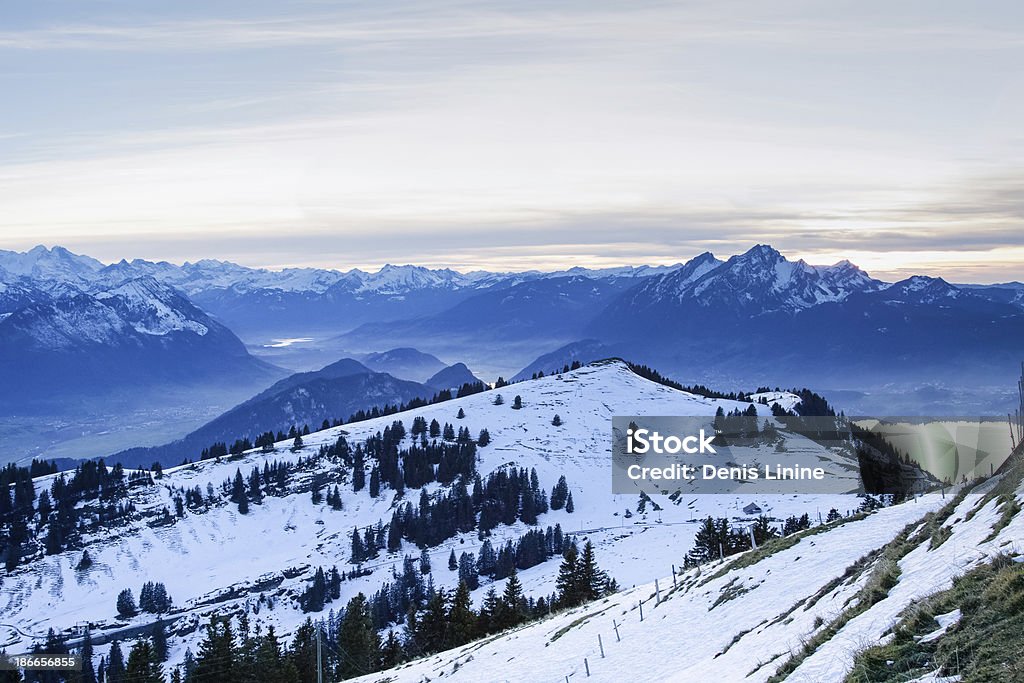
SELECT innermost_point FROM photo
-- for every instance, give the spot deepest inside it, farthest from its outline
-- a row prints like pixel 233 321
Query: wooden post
pixel 600 644
pixel 616 627
pixel 586 665
pixel 641 603
pixel 657 593
pixel 673 576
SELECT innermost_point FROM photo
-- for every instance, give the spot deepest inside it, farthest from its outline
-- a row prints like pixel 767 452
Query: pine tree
pixel 517 402
pixel 391 654
pixel 556 420
pixel 126 604
pixel 88 674
pixel 513 604
pixel 159 640
pixel 358 552
pixel 461 617
pixel 142 666
pixel 461 414
pixel 115 664
pixel 358 639
pixel 559 494
pixel 484 438
pixel 432 625
pixel 569 507
pixel 592 582
pixel 453 563
pixel 567 582
pixel 297 443
pixel 498 400
pixel 374 482
pixel 217 655
pixel 424 561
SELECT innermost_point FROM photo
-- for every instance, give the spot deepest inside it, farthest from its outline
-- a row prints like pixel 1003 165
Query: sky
pixel 515 135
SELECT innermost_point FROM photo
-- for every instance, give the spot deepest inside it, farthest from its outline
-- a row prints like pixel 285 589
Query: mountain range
pixel 73 330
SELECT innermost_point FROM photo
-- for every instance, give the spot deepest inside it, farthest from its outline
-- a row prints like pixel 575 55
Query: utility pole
pixel 319 659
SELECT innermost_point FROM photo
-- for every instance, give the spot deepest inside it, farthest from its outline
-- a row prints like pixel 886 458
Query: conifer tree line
pixel 153 598
pixel 352 644
pixel 716 538
pixel 266 440
pixel 408 589
pixel 91 498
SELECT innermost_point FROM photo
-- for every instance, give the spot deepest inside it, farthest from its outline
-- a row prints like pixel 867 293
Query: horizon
pixel 517 136
pixel 376 268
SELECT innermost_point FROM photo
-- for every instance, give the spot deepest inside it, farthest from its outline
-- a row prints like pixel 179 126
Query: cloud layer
pixel 508 135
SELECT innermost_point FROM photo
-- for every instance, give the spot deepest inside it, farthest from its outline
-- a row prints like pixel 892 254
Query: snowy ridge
pixel 740 624
pixel 203 556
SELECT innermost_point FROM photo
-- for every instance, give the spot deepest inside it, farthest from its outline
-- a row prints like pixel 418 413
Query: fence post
pixel 657 593
pixel 600 645
pixel 586 665
pixel 673 576
pixel 616 627
pixel 641 603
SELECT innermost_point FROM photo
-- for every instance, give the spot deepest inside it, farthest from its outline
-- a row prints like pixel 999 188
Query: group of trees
pixel 350 639
pixel 716 538
pixel 153 598
pixel 576 365
pixel 92 497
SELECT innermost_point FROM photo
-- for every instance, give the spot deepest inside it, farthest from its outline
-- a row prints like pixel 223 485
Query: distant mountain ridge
pixel 61 347
pixel 303 399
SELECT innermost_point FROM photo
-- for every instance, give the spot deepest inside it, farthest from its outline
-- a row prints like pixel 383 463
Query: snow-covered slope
pixel 736 621
pixel 221 560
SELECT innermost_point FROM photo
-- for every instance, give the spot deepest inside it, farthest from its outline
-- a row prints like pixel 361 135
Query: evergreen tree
pixel 142 666
pixel 189 665
pixel 391 654
pixel 468 571
pixel 517 402
pixel 374 482
pixel 567 583
pixel 358 639
pixel 453 563
pixel 569 507
pixel 425 561
pixel 297 443
pixel 461 618
pixel 461 414
pixel 513 604
pixel 358 552
pixel 159 641
pixel 435 429
pixel 484 438
pixel 88 674
pixel 126 604
pixel 217 655
pixel 432 624
pixel 556 420
pixel 591 581
pixel 559 494
pixel 115 664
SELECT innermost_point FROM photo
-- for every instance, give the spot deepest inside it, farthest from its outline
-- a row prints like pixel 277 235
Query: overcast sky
pixel 517 135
